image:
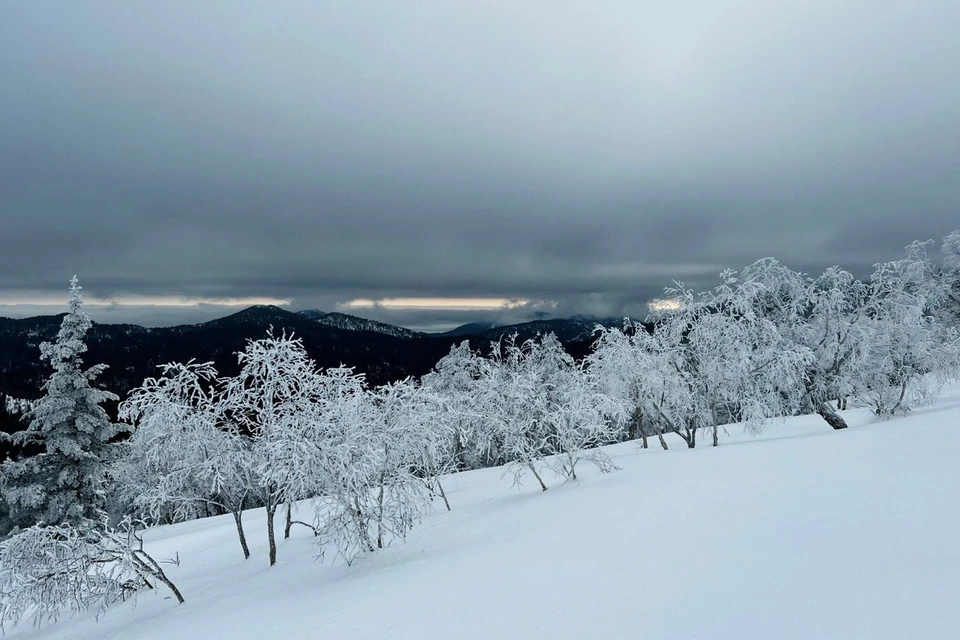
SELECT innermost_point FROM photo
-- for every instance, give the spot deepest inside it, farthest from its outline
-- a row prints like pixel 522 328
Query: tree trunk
pixel 689 436
pixel 162 577
pixel 362 526
pixel 536 475
pixel 145 563
pixel 716 436
pixel 636 427
pixel 832 418
pixel 443 494
pixel 380 516
pixel 663 441
pixel 288 523
pixel 903 394
pixel 237 515
pixel 271 537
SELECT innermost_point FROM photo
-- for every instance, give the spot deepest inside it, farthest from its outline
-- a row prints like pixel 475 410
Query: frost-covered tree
pixel 400 438
pixel 911 355
pixel 180 459
pixel 364 456
pixel 431 437
pixel 333 454
pixel 453 383
pixel 512 391
pixel 582 418
pixel 950 279
pixel 271 397
pixel 825 315
pixel 915 278
pixel 51 570
pixel 65 482
pixel 938 284
pixel 621 365
pixel 713 360
pixel 540 409
pixel 878 339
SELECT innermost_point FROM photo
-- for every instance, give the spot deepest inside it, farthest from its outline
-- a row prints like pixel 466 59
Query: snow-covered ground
pixel 801 533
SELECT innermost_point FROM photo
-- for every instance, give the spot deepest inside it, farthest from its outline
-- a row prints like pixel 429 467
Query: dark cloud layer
pixel 585 153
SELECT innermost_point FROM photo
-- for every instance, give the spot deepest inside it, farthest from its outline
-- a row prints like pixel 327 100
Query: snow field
pixel 801 533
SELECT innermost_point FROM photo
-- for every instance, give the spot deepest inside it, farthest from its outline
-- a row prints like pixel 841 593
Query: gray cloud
pixel 586 153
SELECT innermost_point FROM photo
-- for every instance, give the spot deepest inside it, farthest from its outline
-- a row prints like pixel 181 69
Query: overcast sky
pixel 187 158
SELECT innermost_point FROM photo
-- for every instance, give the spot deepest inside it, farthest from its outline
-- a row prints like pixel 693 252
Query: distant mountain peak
pixel 257 311
pixel 470 329
pixel 312 314
pixel 354 323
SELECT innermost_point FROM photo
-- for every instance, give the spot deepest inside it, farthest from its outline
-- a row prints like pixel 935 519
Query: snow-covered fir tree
pixel 64 483
pixel 68 557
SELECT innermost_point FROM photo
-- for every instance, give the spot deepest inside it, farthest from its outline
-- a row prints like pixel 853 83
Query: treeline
pixel 358 465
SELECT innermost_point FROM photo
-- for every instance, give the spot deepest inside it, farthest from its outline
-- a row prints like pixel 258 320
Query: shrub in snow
pixel 582 419
pixel 46 571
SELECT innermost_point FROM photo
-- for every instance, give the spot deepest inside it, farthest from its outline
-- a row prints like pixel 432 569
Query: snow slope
pixel 802 533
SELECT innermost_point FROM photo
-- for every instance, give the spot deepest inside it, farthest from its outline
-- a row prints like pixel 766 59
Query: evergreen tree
pixel 64 484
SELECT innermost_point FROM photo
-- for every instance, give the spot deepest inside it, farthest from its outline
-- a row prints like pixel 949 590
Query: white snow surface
pixel 800 533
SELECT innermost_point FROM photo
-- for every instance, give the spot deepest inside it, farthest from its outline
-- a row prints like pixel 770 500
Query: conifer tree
pixel 64 483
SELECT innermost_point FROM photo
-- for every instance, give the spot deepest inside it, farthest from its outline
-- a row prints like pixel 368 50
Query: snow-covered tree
pixel 911 355
pixel 401 444
pixel 535 402
pixel 454 383
pixel 711 361
pixel 582 418
pixel 826 316
pixel 180 458
pixel 920 276
pixel 950 278
pixel 65 482
pixel 367 456
pixel 878 340
pixel 46 571
pixel 622 365
pixel 271 397
pixel 430 424
pixel 512 392
pixel 334 463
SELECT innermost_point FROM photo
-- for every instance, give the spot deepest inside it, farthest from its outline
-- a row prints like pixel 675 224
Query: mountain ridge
pixel 355 323
pixel 383 352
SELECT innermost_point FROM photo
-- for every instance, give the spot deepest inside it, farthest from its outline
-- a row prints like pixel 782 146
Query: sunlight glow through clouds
pixel 665 304
pixel 435 303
